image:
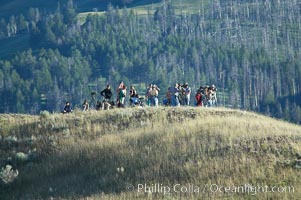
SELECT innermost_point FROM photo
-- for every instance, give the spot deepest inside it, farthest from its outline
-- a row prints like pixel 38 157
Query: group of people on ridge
pixel 178 95
pixel 206 96
pixel 151 94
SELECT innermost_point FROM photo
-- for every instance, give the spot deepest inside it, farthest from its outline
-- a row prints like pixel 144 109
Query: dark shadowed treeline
pixel 249 49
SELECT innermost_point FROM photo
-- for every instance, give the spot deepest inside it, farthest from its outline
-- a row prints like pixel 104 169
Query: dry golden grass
pixel 96 155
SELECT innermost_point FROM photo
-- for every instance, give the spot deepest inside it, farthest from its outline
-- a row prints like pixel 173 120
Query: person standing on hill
pixel 154 92
pixel 120 87
pixel 213 96
pixel 133 95
pixel 175 95
pixel 198 97
pixel 186 95
pixel 148 94
pixel 118 92
pixel 167 100
pixel 107 93
pixel 85 105
pixel 121 96
pixel 133 92
pixel 205 96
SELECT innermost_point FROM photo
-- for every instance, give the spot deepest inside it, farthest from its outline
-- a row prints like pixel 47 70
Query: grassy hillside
pixel 112 154
pixel 149 7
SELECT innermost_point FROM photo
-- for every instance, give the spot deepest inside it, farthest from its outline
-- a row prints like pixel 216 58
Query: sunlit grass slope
pixel 110 154
pixel 145 7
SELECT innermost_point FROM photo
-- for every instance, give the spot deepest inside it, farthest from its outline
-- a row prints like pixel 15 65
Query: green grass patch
pixel 147 7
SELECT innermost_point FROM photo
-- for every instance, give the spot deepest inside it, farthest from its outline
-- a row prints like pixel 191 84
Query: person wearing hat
pixel 187 92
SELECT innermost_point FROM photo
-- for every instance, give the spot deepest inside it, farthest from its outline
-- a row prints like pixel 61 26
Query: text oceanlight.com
pixel 213 188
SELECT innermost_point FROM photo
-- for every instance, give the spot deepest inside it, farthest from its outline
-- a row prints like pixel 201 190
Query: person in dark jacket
pixel 107 93
pixel 67 108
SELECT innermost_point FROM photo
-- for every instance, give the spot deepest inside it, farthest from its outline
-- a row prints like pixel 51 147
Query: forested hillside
pixel 249 49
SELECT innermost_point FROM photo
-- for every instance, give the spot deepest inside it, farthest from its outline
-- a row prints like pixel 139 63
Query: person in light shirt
pixel 154 92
